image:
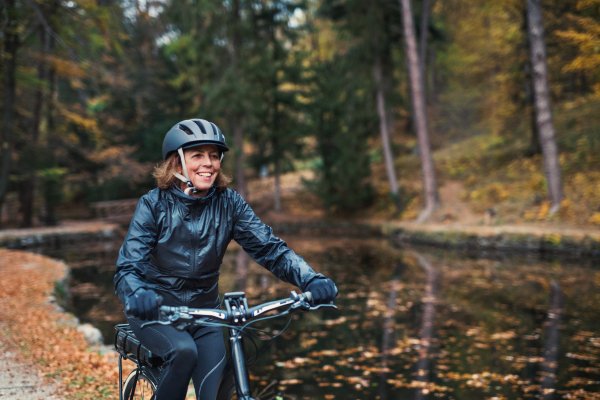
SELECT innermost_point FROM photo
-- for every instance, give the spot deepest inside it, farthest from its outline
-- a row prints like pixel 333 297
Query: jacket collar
pixel 191 200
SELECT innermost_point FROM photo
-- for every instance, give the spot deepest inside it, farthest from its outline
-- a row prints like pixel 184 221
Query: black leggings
pixel 197 353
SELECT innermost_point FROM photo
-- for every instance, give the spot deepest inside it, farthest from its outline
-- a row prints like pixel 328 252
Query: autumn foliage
pixel 96 85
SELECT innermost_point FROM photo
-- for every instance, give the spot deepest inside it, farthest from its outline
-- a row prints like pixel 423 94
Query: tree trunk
pixel 387 76
pixel 238 142
pixel 385 136
pixel 49 188
pixel 241 259
pixel 550 362
pixel 11 45
pixel 423 38
pixel 584 88
pixel 275 133
pixel 420 116
pixel 542 103
pixel 238 129
pixel 277 191
pixel 534 143
pixel 29 184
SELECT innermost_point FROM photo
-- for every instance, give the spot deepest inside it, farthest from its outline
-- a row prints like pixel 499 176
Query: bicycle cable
pixel 238 329
pixel 271 338
pixel 243 328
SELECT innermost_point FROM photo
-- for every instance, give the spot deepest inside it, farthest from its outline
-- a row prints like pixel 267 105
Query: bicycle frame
pixel 240 369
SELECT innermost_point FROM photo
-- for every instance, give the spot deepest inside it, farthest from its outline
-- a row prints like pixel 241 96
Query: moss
pixel 61 292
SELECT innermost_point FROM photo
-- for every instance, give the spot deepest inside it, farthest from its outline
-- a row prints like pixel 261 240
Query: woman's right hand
pixel 143 305
pixel 323 291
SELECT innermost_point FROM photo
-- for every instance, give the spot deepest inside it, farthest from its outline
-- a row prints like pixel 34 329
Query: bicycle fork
pixel 240 370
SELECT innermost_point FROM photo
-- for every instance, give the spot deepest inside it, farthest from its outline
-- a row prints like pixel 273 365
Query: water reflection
pixel 388 329
pixel 461 328
pixel 550 363
pixel 426 336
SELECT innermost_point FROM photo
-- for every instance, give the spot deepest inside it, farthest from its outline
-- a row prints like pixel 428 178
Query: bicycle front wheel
pixel 141 389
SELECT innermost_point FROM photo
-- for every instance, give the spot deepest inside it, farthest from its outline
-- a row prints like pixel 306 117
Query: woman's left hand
pixel 144 305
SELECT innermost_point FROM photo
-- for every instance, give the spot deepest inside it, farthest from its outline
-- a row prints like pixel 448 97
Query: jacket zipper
pixel 193 266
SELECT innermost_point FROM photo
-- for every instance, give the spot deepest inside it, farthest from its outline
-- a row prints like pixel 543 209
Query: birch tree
pixel 388 157
pixel 542 103
pixel 420 117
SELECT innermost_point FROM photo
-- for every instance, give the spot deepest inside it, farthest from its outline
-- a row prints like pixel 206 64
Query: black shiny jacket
pixel 176 243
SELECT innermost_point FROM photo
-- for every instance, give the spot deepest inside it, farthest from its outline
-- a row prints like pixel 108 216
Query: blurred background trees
pixel 89 88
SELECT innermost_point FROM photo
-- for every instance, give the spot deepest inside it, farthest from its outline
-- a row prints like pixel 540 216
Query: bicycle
pixel 237 317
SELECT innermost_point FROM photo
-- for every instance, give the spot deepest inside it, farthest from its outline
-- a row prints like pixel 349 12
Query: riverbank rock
pixel 91 333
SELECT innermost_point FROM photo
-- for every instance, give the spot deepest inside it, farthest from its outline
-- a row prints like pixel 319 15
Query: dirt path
pixel 20 380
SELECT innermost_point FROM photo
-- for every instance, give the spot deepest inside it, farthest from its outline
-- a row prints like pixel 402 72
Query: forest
pixel 388 109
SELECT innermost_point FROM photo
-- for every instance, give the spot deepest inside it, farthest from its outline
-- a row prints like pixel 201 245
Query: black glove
pixel 144 305
pixel 323 290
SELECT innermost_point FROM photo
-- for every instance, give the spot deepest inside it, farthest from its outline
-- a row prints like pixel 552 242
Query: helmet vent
pixel 215 130
pixel 186 129
pixel 200 125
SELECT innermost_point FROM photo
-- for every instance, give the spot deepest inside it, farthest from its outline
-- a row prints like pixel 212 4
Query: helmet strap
pixel 185 179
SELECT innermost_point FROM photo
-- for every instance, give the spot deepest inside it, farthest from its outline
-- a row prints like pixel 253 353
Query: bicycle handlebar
pixel 236 313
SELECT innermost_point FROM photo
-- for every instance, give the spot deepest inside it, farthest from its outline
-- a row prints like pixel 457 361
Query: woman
pixel 174 249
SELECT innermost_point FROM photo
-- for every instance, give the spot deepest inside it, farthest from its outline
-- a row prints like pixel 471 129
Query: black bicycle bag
pixel 130 347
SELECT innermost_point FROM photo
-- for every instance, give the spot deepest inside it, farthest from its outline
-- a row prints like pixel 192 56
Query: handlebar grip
pixel 309 297
pixel 159 300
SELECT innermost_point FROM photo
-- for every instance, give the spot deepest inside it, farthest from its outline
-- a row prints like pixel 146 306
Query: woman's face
pixel 203 164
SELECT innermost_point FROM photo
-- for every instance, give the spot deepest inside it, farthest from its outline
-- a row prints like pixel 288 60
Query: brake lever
pixel 149 323
pixel 305 306
pixel 332 306
pixel 179 321
pixel 299 306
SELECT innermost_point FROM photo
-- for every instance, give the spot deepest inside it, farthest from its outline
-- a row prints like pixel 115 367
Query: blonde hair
pixel 165 179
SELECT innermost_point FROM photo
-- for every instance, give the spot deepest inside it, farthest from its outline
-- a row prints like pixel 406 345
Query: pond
pixel 412 323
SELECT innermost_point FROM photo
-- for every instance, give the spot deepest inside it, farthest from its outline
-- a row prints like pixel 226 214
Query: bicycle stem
pixel 237 306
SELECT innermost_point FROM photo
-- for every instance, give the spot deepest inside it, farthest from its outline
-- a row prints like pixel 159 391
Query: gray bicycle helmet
pixel 189 133
pixel 193 132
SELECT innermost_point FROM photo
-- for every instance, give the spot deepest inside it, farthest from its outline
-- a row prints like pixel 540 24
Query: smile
pixel 206 174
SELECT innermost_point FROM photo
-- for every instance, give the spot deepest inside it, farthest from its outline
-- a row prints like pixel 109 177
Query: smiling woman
pixel 174 249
